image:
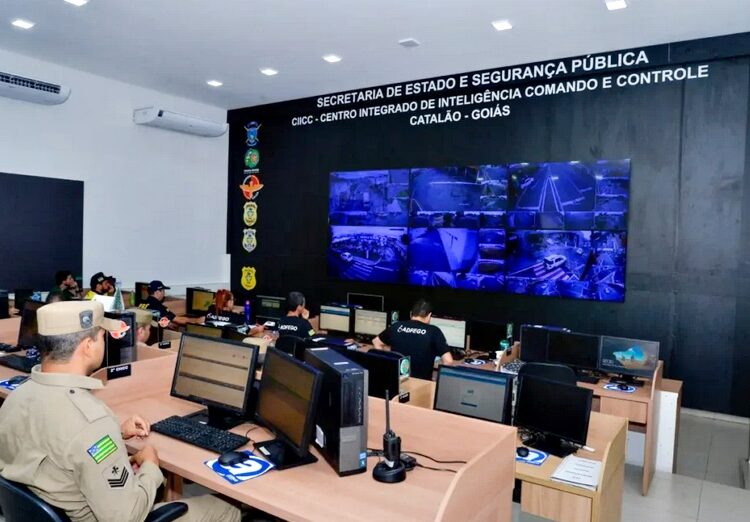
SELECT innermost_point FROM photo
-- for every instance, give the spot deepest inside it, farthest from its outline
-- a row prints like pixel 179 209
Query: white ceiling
pixel 174 46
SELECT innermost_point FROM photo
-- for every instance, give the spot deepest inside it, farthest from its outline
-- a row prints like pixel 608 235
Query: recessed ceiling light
pixel 78 3
pixel 332 58
pixel 268 71
pixel 409 42
pixel 214 83
pixel 23 24
pixel 502 25
pixel 614 5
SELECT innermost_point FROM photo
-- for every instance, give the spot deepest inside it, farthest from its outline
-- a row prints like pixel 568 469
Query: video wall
pixel 554 229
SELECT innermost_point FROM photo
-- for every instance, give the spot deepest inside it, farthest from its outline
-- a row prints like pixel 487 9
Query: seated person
pixel 143 320
pixel 76 460
pixel 296 323
pixel 66 288
pixel 155 303
pixel 226 316
pixel 100 285
pixel 418 339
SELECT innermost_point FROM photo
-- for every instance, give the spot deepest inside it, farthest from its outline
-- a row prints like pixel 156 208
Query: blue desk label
pixel 614 387
pixel 250 468
pixel 535 457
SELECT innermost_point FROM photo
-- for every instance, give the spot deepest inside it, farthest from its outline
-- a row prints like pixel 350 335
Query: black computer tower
pixel 341 420
pixel 121 350
pixel 4 308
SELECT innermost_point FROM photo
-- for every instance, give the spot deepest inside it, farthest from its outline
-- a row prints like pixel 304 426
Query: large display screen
pixel 557 229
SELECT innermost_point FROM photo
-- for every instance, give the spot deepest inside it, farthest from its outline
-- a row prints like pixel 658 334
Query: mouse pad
pixel 535 457
pixel 8 386
pixel 613 387
pixel 251 468
pixel 475 362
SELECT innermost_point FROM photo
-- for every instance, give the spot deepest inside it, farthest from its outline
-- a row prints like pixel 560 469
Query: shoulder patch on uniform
pixel 311 332
pixel 116 475
pixel 102 449
pixel 91 407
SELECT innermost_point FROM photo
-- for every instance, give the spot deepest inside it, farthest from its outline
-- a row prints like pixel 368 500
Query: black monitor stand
pixel 282 455
pixel 550 444
pixel 216 417
pixel 626 379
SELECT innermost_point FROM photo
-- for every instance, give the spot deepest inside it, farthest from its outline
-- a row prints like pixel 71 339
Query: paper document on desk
pixel 579 472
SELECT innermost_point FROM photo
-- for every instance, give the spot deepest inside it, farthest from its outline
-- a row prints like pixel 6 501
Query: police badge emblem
pixel 248 240
pixel 250 213
pixel 252 158
pixel 252 133
pixel 248 277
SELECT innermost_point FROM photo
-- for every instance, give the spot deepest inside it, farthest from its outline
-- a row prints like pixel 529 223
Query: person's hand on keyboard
pixel 135 426
pixel 147 454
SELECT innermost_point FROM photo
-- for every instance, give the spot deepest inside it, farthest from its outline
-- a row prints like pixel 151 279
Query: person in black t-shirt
pixel 154 303
pixel 226 316
pixel 418 339
pixel 296 323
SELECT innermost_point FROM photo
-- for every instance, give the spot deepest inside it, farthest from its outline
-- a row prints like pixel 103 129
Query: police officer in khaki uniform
pixel 144 321
pixel 66 445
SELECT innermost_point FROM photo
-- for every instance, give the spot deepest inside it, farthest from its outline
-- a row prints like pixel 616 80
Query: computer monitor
pixel 204 330
pixel 474 393
pixel 629 357
pixel 485 336
pixel 120 349
pixel 366 301
pixel 369 323
pixel 385 369
pixel 287 404
pixel 198 301
pixel 534 340
pixel 559 413
pixel 577 350
pixel 335 319
pixel 454 331
pixel 233 334
pixel 141 293
pixel 218 374
pixel 107 301
pixel 27 332
pixel 269 307
pixel 22 295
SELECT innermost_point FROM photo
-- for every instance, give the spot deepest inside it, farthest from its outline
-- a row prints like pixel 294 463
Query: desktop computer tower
pixel 4 308
pixel 341 420
pixel 122 350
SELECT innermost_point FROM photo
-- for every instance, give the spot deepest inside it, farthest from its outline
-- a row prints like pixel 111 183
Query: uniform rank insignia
pixel 117 476
pixel 103 448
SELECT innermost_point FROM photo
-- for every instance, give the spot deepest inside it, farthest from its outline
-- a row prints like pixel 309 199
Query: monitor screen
pixel 485 336
pixel 214 372
pixel 629 356
pixel 270 307
pixel 335 318
pixel 200 329
pixel 573 349
pixel 534 343
pixel 199 300
pixel 141 293
pixel 287 398
pixel 366 301
pixel 473 392
pixel 453 330
pixel 553 408
pixel 369 322
pixel 28 330
pixel 234 335
pixel 22 295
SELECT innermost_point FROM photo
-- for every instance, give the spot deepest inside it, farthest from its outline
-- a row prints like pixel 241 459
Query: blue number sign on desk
pixel 615 387
pixel 250 468
pixel 10 386
pixel 535 457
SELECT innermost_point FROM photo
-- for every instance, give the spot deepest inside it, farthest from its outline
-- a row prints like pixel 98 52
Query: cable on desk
pixel 435 460
pixel 435 469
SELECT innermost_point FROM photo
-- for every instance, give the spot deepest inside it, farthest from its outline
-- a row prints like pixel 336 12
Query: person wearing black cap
pixel 155 303
pixel 100 285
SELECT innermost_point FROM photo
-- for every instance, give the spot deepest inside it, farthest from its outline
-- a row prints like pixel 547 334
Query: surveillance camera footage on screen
pixel 556 229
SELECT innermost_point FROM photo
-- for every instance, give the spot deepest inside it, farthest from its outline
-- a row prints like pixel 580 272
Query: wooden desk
pixel 481 490
pixel 541 496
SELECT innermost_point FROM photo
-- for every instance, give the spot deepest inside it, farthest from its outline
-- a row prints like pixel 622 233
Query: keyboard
pixel 19 362
pixel 512 367
pixel 197 434
pixel 9 348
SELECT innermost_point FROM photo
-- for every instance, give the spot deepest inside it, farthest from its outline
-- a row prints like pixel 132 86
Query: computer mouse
pixel 522 452
pixel 623 387
pixel 230 458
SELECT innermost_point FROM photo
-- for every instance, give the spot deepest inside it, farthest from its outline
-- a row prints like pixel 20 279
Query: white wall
pixel 154 200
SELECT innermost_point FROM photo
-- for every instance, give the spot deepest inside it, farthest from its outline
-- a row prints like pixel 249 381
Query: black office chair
pixel 293 345
pixel 551 372
pixel 19 504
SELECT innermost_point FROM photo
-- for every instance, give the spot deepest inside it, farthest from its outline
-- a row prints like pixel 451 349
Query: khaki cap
pixel 143 317
pixel 67 317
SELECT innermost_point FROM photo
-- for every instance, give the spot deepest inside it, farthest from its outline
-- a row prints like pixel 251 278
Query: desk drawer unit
pixel 631 410
pixel 554 504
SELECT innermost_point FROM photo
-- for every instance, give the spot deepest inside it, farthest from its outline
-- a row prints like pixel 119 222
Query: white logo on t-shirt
pixel 406 329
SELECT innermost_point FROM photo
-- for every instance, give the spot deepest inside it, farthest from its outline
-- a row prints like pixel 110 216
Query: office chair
pixel 551 372
pixel 293 345
pixel 19 504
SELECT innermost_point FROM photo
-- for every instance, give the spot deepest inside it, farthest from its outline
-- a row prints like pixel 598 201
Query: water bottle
pixel 247 312
pixel 119 303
